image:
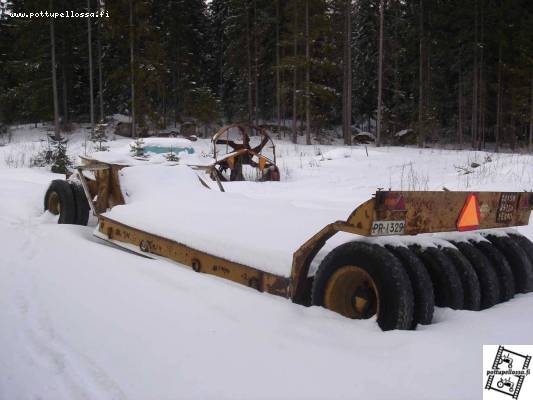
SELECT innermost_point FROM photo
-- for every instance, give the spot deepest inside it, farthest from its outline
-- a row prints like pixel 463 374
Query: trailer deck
pixel 171 202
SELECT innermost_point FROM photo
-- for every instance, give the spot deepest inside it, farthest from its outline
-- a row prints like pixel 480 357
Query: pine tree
pixel 99 137
pixel 172 156
pixel 137 148
pixel 61 162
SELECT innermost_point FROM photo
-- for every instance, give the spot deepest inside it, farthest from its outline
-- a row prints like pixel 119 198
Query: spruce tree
pixel 99 137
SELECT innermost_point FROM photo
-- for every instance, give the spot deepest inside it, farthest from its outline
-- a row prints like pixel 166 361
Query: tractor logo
pixel 506 358
pixel 509 370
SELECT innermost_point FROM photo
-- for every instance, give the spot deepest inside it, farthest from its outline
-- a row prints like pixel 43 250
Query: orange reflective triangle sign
pixel 469 217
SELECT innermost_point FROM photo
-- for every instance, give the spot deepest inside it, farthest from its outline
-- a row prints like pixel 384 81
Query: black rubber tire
pixel 445 278
pixel 502 268
pixel 518 260
pixel 81 202
pixel 396 302
pixel 424 298
pixel 488 279
pixel 469 279
pixel 524 243
pixel 67 214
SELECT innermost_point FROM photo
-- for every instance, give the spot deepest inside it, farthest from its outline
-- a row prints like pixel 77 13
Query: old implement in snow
pixel 244 152
pixel 388 269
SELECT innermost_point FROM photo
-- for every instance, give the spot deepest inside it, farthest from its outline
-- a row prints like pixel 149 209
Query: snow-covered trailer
pixel 384 270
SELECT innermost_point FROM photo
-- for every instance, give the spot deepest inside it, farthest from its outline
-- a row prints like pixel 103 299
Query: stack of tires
pixel 403 282
pixel 67 200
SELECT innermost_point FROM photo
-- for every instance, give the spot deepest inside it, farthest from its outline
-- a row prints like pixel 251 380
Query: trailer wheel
pixel 524 243
pixel 488 279
pixel 502 268
pixel 360 280
pixel 444 276
pixel 518 260
pixel 81 202
pixel 59 200
pixel 468 276
pixel 424 298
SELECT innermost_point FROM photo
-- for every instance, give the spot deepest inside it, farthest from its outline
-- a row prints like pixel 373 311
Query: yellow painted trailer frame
pixel 387 213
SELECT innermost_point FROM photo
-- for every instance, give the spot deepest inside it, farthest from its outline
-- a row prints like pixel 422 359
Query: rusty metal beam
pixel 438 211
pixel 198 260
pixel 419 212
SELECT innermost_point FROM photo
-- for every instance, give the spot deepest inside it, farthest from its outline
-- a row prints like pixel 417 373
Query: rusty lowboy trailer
pixel 398 283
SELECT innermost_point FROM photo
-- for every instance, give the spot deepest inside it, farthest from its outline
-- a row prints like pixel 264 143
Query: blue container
pixel 163 150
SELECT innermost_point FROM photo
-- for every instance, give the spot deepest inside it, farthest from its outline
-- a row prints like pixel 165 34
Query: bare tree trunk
pixel 421 133
pixel 481 117
pixel 100 73
pixel 347 75
pixel 499 101
pixel 177 85
pixel 427 77
pixel 530 146
pixel 65 95
pixel 90 47
pixel 460 108
pixel 221 70
pixel 475 84
pixel 249 62
pixel 57 134
pixel 132 71
pixel 256 67
pixel 307 78
pixel 294 76
pixel 380 73
pixel 278 86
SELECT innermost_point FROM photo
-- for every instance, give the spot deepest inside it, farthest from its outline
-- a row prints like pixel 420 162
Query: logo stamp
pixel 508 375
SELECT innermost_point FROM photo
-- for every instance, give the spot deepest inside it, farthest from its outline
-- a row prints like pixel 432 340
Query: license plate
pixel 382 228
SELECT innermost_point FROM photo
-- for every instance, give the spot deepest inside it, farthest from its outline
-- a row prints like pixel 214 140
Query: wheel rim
pixel 54 205
pixel 352 292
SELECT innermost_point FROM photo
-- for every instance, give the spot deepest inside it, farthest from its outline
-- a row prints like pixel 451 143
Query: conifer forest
pixel 450 71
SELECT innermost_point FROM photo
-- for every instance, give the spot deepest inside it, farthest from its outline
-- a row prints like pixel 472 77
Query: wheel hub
pixel 54 205
pixel 351 291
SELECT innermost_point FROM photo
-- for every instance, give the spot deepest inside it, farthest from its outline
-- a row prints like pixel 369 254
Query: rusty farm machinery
pixel 389 269
pixel 243 152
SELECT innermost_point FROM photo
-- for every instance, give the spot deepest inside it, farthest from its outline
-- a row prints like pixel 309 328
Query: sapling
pixel 137 148
pixel 99 137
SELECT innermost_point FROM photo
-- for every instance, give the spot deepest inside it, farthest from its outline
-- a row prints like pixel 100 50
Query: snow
pixel 335 154
pixel 171 202
pixel 121 118
pixel 81 319
pixel 121 154
pixel 468 236
pixel 166 142
pixel 402 132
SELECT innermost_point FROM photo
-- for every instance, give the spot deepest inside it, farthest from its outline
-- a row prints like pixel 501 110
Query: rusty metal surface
pixel 199 261
pixel 239 153
pixel 421 212
pixel 303 256
pixel 87 190
pixel 426 212
pixel 106 185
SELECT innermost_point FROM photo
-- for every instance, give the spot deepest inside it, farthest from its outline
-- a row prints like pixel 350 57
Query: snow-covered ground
pixel 80 319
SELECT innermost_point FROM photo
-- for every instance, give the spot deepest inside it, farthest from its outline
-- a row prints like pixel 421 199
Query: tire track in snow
pixel 80 377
